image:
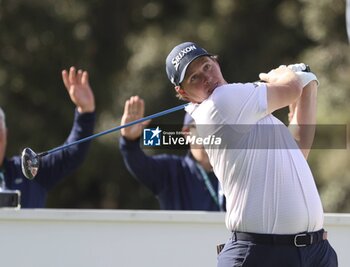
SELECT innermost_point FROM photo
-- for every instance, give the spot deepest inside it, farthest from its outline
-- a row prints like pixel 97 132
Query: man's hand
pixel 78 87
pixel 134 109
pixel 280 75
pixel 304 73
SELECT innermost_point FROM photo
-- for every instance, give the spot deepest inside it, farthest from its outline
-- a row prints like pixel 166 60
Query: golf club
pixel 30 161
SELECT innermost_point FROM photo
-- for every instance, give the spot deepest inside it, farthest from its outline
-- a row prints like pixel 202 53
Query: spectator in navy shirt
pixel 53 167
pixel 178 182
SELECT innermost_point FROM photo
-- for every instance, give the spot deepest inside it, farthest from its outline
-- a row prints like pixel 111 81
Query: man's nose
pixel 206 78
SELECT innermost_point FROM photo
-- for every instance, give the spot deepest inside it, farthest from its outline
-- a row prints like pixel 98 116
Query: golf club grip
pixel 180 107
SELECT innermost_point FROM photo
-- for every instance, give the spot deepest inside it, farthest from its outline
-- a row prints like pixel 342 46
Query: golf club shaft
pixel 114 129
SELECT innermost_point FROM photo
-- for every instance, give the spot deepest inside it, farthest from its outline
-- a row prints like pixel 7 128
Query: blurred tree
pixel 123 45
pixel 324 24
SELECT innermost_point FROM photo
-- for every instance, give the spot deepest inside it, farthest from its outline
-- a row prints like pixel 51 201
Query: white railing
pixel 125 238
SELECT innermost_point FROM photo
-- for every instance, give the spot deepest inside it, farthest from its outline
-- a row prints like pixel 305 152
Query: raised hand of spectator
pixel 78 87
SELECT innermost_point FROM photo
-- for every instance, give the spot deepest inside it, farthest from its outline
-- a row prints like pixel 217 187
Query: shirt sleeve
pixel 54 167
pixel 241 103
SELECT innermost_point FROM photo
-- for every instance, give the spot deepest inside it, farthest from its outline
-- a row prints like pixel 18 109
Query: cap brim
pixel 183 73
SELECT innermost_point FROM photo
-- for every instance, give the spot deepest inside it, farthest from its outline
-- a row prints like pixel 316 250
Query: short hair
pixel 2 118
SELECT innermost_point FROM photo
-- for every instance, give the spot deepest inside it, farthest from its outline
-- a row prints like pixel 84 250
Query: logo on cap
pixel 176 60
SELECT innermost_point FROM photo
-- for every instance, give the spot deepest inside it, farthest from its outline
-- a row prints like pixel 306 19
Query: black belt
pixel 297 240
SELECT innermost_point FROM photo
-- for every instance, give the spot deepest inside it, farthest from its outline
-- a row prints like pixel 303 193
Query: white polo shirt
pixel 267 182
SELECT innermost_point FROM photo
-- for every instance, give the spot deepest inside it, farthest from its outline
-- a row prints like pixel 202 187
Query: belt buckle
pixel 296 240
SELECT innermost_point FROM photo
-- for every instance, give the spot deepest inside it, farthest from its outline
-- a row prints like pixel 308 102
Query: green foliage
pixel 324 23
pixel 123 45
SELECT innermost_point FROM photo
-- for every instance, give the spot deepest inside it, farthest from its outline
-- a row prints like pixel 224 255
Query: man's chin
pixel 212 90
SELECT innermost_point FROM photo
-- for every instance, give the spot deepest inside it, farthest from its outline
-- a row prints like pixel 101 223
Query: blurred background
pixel 123 45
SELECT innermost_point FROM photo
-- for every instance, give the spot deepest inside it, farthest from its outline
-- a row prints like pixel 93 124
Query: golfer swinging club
pixel 273 207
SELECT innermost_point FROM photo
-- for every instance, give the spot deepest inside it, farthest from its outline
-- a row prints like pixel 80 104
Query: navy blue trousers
pixel 237 253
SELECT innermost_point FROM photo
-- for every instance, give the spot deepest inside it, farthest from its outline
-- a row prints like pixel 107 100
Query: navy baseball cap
pixel 180 58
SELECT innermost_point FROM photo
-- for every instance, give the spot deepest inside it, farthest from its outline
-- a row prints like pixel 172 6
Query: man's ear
pixel 185 130
pixel 180 91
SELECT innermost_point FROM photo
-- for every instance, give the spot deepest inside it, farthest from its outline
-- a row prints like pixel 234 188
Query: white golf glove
pixel 304 73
